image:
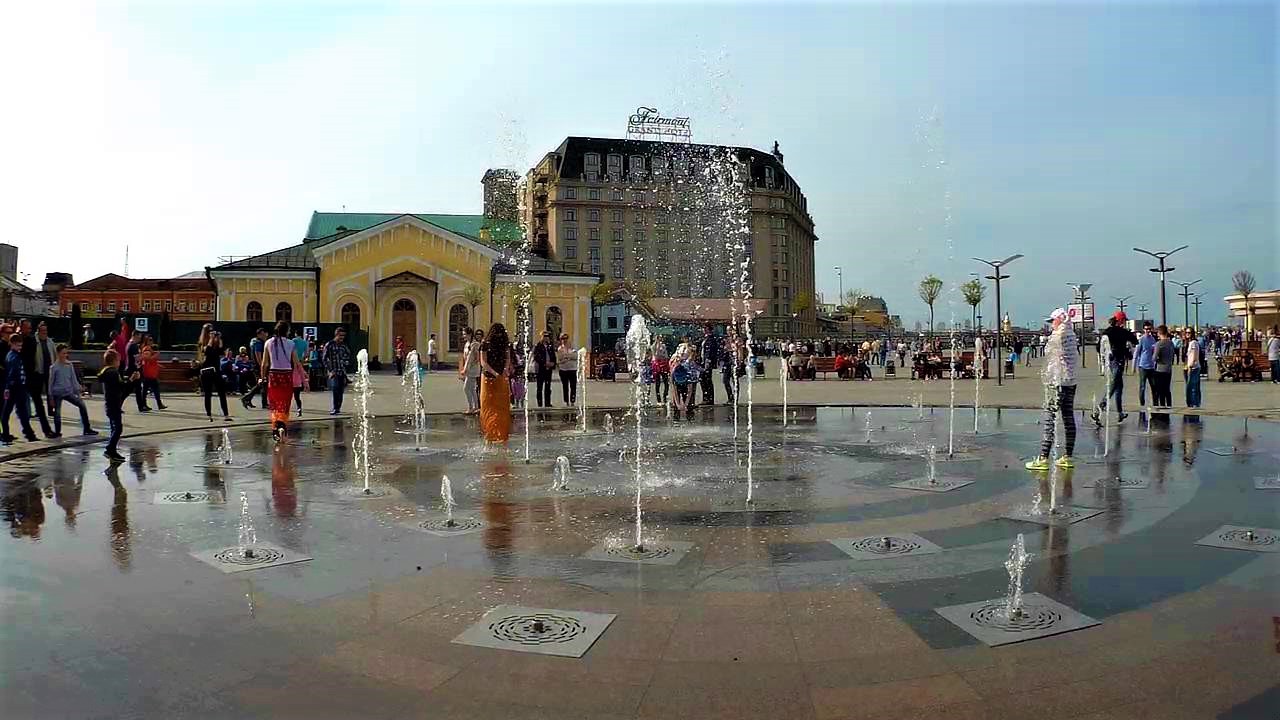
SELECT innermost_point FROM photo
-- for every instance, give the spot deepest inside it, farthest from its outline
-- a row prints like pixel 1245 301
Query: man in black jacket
pixel 1121 342
pixel 35 362
pixel 544 362
pixel 710 352
pixel 116 386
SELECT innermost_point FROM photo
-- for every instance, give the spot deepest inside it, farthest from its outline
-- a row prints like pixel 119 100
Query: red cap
pixel 1120 316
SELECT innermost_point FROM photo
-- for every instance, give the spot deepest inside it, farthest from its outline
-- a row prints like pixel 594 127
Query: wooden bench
pixel 824 365
pixel 1232 366
pixel 178 375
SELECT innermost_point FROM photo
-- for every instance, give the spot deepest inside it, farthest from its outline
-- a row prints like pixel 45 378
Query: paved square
pixel 740 504
pixel 217 465
pixel 657 552
pixel 1117 483
pixel 1238 537
pixel 875 547
pixel 942 484
pixel 1227 450
pixel 188 497
pixel 1064 515
pixel 1041 617
pixel 440 527
pixel 1266 483
pixel 265 555
pixel 567 633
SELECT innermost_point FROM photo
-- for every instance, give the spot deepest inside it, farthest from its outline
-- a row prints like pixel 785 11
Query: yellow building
pixel 405 275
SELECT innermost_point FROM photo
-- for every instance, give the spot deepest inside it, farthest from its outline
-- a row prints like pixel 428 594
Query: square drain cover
pixel 657 552
pixel 215 465
pixel 440 527
pixel 942 484
pixel 187 497
pixel 265 555
pixel 1117 483
pixel 1064 515
pixel 1041 617
pixel 1226 450
pixel 567 633
pixel 1239 537
pixel 878 547
pixel 1266 483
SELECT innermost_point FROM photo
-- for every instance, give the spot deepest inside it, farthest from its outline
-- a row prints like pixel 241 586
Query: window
pixel 571 251
pixel 617 235
pixel 616 215
pixel 612 320
pixel 570 193
pixel 638 236
pixel 124 306
pixel 570 215
pixel 168 305
pixel 594 259
pixel 593 161
pixel 660 236
pixel 660 217
pixel 252 313
pixel 682 164
pixel 778 222
pixel 204 306
pixel 111 306
pixel 617 266
pixel 284 313
pixel 637 165
pixel 639 196
pixel 659 163
pixel 146 306
pixel 777 203
pixel 84 307
pixel 97 307
pixel 640 270
pixel 350 315
pixel 638 218
pixel 617 194
pixel 775 274
pixel 570 233
pixel 768 177
pixel 593 215
pixel 458 321
pixel 593 234
pixel 614 167
pixel 593 194
pixel 555 323
pixel 591 176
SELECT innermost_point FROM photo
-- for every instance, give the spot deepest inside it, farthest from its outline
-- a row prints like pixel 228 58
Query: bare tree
pixel 473 295
pixel 930 288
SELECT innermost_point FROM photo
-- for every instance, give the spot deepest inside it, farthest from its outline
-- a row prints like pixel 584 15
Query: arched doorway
pixel 555 322
pixel 458 319
pixel 351 316
pixel 404 323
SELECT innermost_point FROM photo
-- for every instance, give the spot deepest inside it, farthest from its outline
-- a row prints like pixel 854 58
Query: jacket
pixel 710 351
pixel 115 389
pixel 62 382
pixel 15 376
pixel 1061 356
pixel 544 357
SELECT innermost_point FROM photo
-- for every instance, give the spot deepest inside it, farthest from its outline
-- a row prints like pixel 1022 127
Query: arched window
pixel 284 313
pixel 555 322
pixel 351 315
pixel 459 319
pixel 253 313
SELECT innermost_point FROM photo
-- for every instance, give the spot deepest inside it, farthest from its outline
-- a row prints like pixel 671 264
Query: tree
pixel 853 301
pixel 930 288
pixel 803 303
pixel 473 295
pixel 1245 283
pixel 974 291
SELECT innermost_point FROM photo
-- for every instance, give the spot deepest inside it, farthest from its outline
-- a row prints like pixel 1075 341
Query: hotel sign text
pixel 648 122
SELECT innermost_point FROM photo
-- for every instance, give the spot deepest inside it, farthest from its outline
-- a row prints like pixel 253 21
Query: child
pixel 519 380
pixel 115 388
pixel 1060 359
pixel 15 393
pixel 149 363
pixel 64 386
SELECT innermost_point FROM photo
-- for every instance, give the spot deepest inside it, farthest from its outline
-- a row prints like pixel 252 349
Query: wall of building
pixel 181 305
pixel 268 289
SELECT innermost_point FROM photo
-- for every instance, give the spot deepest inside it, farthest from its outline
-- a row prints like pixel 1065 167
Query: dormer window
pixel 614 166
pixel 768 177
pixel 636 168
pixel 593 161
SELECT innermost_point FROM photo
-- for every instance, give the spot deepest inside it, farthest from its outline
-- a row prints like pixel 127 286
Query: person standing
pixel 1273 353
pixel 115 388
pixel 495 387
pixel 299 370
pixel 337 358
pixel 733 364
pixel 1119 340
pixel 15 393
pixel 1059 373
pixel 256 346
pixel 38 354
pixel 149 368
pixel 397 354
pixel 210 344
pixel 120 340
pixel 567 363
pixel 279 363
pixel 709 350
pixel 1192 368
pixel 544 361
pixel 1163 354
pixel 1145 362
pixel 64 386
pixel 132 366
pixel 431 351
pixel 470 371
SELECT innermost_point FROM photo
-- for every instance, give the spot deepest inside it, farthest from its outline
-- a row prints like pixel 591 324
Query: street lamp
pixel 1120 301
pixel 1082 296
pixel 840 279
pixel 1196 303
pixel 1186 293
pixel 1142 308
pixel 997 276
pixel 1160 256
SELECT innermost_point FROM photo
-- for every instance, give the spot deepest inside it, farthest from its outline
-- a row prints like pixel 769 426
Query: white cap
pixel 1058 314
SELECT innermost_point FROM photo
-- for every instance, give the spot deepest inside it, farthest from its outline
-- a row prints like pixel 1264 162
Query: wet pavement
pixel 108 614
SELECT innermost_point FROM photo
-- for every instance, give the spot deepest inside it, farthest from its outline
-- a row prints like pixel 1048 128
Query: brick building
pixel 184 298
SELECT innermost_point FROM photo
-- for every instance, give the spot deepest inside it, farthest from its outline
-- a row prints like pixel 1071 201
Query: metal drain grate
pixel 942 484
pixel 1267 483
pixel 537 628
pixel 567 633
pixel 1041 617
pixel 877 547
pixel 440 527
pixel 265 555
pixel 1114 483
pixel 187 497
pixel 255 556
pixel 658 552
pixel 1064 515
pixel 1239 537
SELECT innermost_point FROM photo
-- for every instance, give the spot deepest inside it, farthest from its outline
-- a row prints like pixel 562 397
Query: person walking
pixel 337 358
pixel 1059 373
pixel 397 354
pixel 1119 342
pixel 431 351
pixel 300 370
pixel 115 388
pixel 149 368
pixel 279 363
pixel 132 366
pixel 1273 352
pixel 1192 368
pixel 256 346
pixel 470 371
pixel 567 364
pixel 1145 361
pixel 15 393
pixel 63 386
pixel 1163 353
pixel 38 354
pixel 544 362
pixel 733 364
pixel 210 345
pixel 497 361
pixel 710 351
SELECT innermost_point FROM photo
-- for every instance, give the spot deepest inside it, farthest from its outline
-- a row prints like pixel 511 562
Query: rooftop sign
pixel 647 123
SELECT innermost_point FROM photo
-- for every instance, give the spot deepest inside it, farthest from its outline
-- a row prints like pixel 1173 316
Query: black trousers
pixel 569 384
pixel 729 377
pixel 35 390
pixel 211 380
pixel 544 388
pixel 708 387
pixel 661 387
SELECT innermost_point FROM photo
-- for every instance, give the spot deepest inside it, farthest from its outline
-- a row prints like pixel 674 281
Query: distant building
pixel 8 261
pixel 15 297
pixel 1263 309
pixel 110 295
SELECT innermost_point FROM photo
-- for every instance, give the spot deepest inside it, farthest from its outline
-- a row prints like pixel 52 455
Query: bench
pixel 824 365
pixel 178 375
pixel 1236 365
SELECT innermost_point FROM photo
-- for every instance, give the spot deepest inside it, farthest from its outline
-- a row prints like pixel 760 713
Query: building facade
pixel 406 275
pixel 1261 312
pixel 661 213
pixel 107 295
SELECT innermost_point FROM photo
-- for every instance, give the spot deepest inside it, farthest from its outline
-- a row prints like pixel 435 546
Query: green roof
pixel 324 225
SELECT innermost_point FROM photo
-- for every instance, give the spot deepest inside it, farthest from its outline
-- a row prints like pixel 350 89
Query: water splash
pixel 1015 565
pixel 638 341
pixel 869 429
pixel 446 497
pixel 782 378
pixel 583 361
pixel 978 358
pixel 225 456
pixel 414 407
pixel 248 537
pixel 363 440
pixel 932 456
pixel 608 424
pixel 560 475
pixel 1104 363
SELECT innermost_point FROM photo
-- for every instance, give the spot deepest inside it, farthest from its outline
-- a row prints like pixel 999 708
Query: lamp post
pixel 1082 296
pixel 1120 301
pixel 1142 308
pixel 1186 293
pixel 1160 256
pixel 997 276
pixel 1196 303
pixel 840 279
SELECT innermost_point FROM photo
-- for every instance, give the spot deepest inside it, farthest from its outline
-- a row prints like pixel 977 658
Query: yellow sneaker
pixel 1065 462
pixel 1040 463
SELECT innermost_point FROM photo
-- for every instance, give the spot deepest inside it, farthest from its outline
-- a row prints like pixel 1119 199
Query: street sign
pixel 141 324
pixel 1081 313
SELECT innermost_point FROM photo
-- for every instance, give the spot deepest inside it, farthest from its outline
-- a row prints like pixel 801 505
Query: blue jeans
pixel 18 401
pixel 1145 379
pixel 116 420
pixel 1117 387
pixel 1193 388
pixel 338 386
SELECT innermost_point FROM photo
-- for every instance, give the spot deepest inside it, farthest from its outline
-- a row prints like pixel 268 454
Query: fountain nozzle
pixel 638 549
pixel 188 496
pixel 248 552
pixel 450 523
pixel 538 626
pixel 886 541
pixel 1248 535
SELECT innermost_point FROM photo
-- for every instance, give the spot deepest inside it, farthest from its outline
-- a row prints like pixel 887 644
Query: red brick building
pixel 184 298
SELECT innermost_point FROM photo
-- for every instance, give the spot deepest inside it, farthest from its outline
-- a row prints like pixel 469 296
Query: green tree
pixel 930 288
pixel 473 295
pixel 1244 283
pixel 974 291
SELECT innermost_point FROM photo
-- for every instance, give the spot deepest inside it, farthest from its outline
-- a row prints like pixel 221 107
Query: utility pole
pixel 997 276
pixel 1161 256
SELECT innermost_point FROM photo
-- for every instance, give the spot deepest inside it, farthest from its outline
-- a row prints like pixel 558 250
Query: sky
pixel 923 134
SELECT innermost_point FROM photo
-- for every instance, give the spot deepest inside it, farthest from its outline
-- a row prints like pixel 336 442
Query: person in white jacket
pixel 1060 359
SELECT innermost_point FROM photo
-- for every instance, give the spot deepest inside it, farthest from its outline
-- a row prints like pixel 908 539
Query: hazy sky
pixel 923 134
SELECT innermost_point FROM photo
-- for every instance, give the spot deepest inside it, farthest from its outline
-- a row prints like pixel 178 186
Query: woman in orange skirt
pixel 495 385
pixel 279 360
